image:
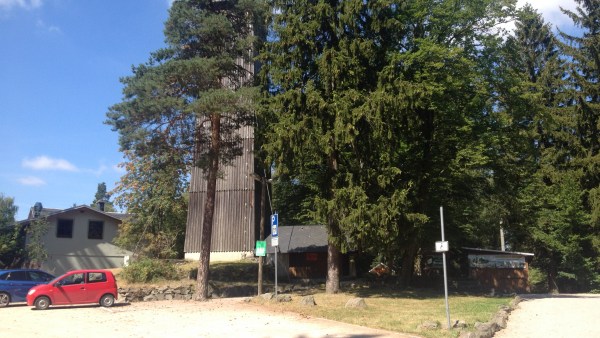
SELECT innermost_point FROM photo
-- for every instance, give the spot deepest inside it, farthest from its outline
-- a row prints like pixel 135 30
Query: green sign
pixel 261 248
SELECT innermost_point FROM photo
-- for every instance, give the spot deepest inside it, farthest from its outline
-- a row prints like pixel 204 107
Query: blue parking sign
pixel 274 225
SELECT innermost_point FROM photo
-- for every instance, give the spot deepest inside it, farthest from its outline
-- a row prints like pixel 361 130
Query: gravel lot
pixel 556 316
pixel 216 318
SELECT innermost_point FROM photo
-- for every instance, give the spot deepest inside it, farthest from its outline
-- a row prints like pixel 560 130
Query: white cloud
pixel 550 10
pixel 47 28
pixel 101 169
pixel 31 180
pixel 47 163
pixel 24 4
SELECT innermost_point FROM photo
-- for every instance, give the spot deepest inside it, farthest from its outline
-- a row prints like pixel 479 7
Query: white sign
pixel 274 241
pixel 441 246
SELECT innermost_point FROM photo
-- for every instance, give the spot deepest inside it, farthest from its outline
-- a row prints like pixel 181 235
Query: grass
pixel 387 308
pixel 400 311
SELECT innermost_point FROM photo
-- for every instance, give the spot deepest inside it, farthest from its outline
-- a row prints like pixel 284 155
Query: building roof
pixel 490 251
pixel 48 212
pixel 300 238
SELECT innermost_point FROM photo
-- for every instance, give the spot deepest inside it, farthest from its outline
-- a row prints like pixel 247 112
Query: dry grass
pixel 400 311
pixel 387 308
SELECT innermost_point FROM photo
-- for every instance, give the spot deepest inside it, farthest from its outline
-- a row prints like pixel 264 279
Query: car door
pixel 70 289
pixel 18 282
pixel 95 285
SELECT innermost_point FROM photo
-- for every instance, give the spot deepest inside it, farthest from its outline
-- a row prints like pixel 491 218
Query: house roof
pixel 47 212
pixel 490 251
pixel 300 238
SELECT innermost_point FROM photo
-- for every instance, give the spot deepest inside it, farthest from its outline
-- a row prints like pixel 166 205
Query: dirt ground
pixel 216 318
pixel 556 316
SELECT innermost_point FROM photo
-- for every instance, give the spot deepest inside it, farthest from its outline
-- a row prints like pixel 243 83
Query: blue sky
pixel 60 65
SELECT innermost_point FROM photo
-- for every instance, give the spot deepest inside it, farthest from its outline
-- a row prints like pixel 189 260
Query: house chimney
pixel 102 202
pixel 37 209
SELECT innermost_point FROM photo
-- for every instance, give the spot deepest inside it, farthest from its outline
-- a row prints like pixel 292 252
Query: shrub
pixel 538 281
pixel 148 270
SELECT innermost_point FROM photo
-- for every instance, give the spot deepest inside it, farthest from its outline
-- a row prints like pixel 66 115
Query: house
pixel 303 253
pixel 79 238
pixel 503 271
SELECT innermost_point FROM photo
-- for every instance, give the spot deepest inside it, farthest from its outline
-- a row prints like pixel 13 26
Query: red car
pixel 75 287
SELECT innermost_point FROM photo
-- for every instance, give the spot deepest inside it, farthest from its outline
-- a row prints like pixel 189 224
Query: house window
pixel 95 229
pixel 64 228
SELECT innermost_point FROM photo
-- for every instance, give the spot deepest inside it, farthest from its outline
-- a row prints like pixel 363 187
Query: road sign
pixel 274 241
pixel 441 246
pixel 274 225
pixel 261 248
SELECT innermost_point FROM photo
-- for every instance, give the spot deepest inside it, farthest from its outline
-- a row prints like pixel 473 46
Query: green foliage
pixel 12 239
pixel 154 192
pixel 380 106
pixel 102 195
pixel 35 248
pixel 538 280
pixel 148 270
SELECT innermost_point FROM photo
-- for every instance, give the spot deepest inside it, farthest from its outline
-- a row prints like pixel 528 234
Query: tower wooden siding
pixel 234 223
pixel 236 215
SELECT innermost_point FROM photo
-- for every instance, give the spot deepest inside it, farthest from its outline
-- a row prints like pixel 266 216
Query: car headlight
pixel 31 292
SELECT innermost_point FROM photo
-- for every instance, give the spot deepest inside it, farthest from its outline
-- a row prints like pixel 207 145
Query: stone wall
pixel 146 294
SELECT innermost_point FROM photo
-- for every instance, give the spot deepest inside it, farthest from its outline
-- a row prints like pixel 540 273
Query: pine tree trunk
pixel 209 209
pixel 332 284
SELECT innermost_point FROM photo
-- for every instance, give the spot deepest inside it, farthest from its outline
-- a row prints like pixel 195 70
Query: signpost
pixel 275 242
pixel 443 248
pixel 261 248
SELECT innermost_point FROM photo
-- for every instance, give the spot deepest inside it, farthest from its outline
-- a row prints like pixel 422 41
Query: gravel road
pixel 230 317
pixel 556 316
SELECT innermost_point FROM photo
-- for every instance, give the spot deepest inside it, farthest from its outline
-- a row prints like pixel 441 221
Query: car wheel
pixel 4 299
pixel 107 300
pixel 42 303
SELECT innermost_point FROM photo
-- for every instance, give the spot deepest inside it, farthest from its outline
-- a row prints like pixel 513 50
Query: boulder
pixel 267 296
pixel 356 303
pixel 283 298
pixel 308 301
pixel 430 325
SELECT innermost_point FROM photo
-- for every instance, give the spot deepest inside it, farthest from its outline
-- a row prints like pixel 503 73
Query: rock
pixel 308 301
pixel 500 319
pixel 356 303
pixel 149 298
pixel 429 325
pixel 487 329
pixel 283 298
pixel 267 296
pixel 459 324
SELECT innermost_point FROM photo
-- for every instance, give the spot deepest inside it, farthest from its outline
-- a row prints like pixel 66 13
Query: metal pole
pixel 263 193
pixel 276 254
pixel 445 276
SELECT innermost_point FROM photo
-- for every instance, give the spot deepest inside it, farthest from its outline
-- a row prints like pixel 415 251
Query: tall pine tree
pixel 189 100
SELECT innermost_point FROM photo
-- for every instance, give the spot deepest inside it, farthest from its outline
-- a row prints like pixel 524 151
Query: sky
pixel 60 65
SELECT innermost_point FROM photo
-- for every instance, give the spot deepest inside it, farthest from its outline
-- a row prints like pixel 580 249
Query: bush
pixel 538 281
pixel 148 270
